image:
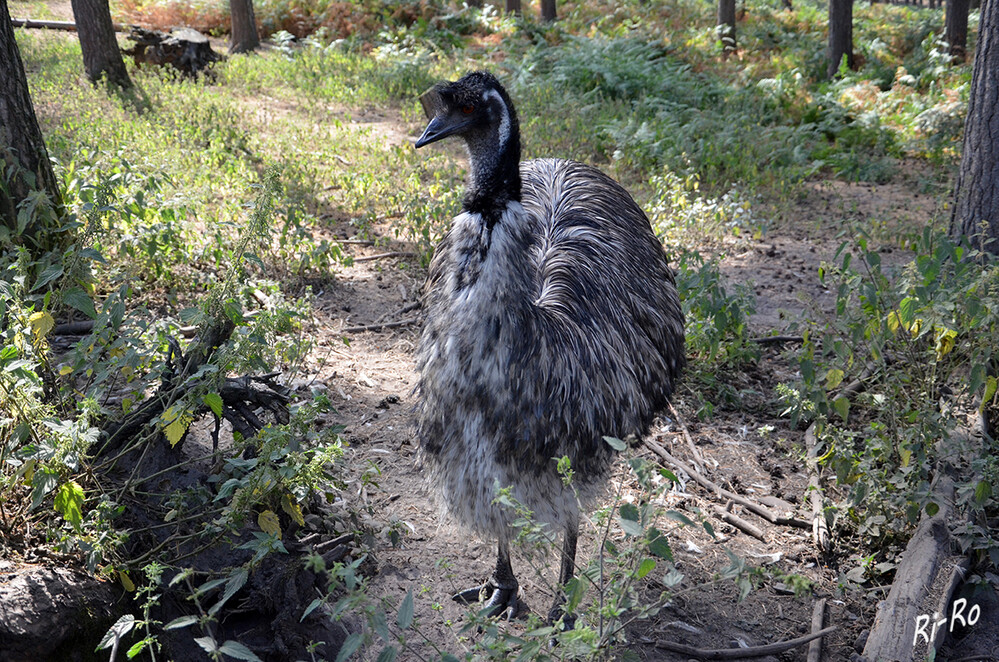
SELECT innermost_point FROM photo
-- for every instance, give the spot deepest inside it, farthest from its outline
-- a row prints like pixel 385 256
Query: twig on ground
pixel 736 521
pixel 739 653
pixel 751 506
pixel 820 528
pixel 382 256
pixel 698 459
pixel 378 327
pixel 818 616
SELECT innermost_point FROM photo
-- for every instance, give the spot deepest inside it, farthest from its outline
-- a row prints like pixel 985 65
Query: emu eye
pixel 468 110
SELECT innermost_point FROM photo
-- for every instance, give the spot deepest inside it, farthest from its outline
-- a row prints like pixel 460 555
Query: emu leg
pixel 565 574
pixel 499 593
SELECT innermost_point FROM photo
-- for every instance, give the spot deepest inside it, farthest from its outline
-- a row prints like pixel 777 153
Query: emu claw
pixel 498 600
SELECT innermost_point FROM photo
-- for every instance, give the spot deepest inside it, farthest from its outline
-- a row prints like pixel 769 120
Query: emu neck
pixel 494 180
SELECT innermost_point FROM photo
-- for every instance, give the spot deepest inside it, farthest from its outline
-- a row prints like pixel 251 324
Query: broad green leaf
pixel 834 378
pixel 646 566
pixel 388 654
pixel 78 299
pixel 269 523
pixel 238 651
pixel 311 608
pixel 932 509
pixel 42 482
pixel 181 622
pixel 660 547
pixel 69 503
pixel 175 420
pixel 983 490
pixel 350 646
pixel 629 511
pixel 907 311
pixel 207 643
pixel 991 386
pixel 616 443
pixel 120 628
pixel 842 407
pixel 214 402
pixel 137 648
pixel 404 618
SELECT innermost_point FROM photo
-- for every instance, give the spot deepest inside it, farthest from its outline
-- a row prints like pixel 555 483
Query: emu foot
pixel 499 599
pixel 558 613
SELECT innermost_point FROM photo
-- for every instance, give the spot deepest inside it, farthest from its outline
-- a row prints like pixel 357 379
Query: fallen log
pixel 923 581
pixel 67 26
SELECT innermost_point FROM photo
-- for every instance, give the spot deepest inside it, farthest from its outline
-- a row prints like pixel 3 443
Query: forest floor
pixel 371 380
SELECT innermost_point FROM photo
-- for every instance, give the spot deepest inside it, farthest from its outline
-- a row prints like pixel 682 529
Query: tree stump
pixel 185 49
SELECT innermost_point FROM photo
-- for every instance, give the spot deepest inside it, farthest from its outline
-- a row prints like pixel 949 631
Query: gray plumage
pixel 552 320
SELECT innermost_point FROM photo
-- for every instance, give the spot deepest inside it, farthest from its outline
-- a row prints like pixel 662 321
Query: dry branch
pixel 777 340
pixel 740 653
pixel 736 521
pixel 698 459
pixel 749 505
pixel 819 526
pixel 383 256
pixel 378 327
pixel 68 26
pixel 815 646
pixel 892 636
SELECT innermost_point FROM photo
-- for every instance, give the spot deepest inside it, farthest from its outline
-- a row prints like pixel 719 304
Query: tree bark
pixel 513 6
pixel 956 28
pixel 245 38
pixel 840 35
pixel 101 55
pixel 22 149
pixel 548 11
pixel 975 215
pixel 726 25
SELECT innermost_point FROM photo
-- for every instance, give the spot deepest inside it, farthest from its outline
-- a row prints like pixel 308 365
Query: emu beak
pixel 442 124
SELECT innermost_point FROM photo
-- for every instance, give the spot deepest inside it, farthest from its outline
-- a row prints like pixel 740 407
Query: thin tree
pixel 22 149
pixel 956 28
pixel 548 11
pixel 101 55
pixel 975 215
pixel 726 26
pixel 244 27
pixel 513 6
pixel 840 35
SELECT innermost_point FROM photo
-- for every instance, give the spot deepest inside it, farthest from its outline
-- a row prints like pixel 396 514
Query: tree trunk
pixel 244 27
pixel 840 35
pixel 956 29
pixel 22 150
pixel 513 6
pixel 726 25
pixel 548 10
pixel 101 55
pixel 975 215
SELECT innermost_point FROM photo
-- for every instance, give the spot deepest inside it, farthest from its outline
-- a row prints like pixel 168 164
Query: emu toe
pixel 500 599
pixel 558 613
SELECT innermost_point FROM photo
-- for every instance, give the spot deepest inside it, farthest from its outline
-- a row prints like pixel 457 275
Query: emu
pixel 552 320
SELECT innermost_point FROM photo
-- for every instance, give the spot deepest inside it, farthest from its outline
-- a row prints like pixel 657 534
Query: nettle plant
pixel 891 378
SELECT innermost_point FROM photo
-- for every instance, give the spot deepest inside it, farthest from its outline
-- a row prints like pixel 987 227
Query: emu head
pixel 476 108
